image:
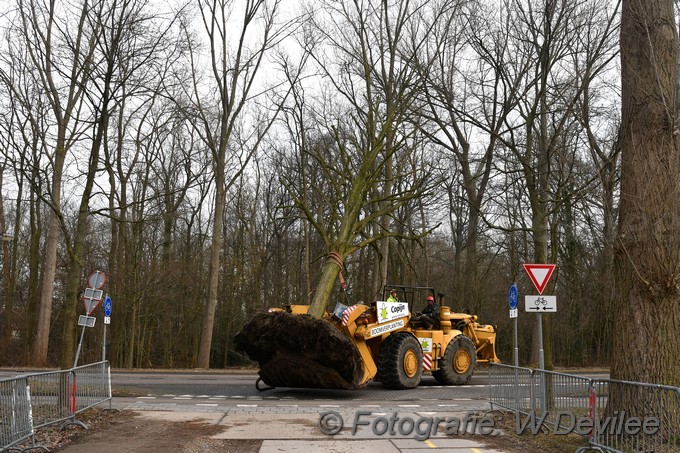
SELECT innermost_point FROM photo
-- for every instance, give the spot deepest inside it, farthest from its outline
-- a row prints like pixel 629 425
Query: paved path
pixel 296 425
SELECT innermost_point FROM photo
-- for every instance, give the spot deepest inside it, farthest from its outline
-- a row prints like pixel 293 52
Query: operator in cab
pixel 430 314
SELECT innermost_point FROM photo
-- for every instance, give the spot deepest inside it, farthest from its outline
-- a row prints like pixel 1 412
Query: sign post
pixel 513 296
pixel 92 297
pixel 539 275
pixel 107 320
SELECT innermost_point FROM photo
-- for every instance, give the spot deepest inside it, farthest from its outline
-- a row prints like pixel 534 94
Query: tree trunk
pixel 214 269
pixel 647 257
pixel 329 274
pixel 39 352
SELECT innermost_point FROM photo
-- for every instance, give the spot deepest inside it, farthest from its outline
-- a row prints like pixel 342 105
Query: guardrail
pixel 618 416
pixel 35 400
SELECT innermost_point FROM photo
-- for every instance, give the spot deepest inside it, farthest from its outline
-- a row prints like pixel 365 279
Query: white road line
pixel 246 405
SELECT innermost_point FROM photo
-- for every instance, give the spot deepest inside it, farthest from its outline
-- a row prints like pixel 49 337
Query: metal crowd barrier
pixel 35 400
pixel 15 408
pixel 648 422
pixel 648 403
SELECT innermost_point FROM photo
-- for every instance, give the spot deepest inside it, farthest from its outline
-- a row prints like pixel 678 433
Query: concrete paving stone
pixel 334 446
pixel 438 443
pixel 263 426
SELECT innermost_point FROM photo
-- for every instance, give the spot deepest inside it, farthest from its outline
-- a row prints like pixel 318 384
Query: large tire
pixel 458 363
pixel 400 362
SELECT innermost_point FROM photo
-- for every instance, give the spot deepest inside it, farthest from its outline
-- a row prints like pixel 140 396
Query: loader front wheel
pixel 458 363
pixel 400 362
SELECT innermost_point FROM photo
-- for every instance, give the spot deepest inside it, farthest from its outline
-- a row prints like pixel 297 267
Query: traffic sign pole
pixel 513 296
pixel 80 344
pixel 92 296
pixel 107 313
pixel 539 275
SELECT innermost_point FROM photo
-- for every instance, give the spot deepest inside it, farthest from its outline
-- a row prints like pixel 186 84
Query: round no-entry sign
pixel 96 279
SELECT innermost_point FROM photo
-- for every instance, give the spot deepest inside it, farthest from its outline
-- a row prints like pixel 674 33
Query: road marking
pixel 447 405
pixel 474 450
pixel 146 397
pixel 206 404
pixel 409 405
pixel 286 405
pixel 429 444
pixel 328 405
pixel 246 405
pixel 369 405
pixel 203 396
pixel 182 398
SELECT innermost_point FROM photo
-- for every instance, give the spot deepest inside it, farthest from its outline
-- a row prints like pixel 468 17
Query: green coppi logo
pixel 424 344
pixel 383 313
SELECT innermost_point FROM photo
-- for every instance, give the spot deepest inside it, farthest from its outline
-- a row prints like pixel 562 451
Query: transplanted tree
pixel 365 50
pixel 647 257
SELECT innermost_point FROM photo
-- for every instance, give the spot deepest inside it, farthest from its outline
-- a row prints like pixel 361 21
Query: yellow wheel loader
pixel 382 341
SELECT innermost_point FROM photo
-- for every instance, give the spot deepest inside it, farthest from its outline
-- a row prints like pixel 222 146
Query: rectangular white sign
pixel 513 313
pixel 86 321
pixel 389 311
pixel 540 304
pixel 426 344
pixel 374 332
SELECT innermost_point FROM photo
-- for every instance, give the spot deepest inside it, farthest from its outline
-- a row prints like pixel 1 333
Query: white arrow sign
pixel 540 304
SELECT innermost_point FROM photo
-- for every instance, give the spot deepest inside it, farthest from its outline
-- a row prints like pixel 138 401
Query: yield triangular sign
pixel 539 274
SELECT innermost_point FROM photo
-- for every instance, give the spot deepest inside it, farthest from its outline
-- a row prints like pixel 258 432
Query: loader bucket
pixel 300 351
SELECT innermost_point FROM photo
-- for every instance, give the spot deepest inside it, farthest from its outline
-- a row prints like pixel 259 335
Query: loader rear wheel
pixel 458 363
pixel 400 362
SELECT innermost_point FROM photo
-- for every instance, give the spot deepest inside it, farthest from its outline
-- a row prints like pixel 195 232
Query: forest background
pixel 205 156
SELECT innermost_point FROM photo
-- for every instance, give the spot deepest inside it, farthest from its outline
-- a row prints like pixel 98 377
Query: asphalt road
pixel 243 386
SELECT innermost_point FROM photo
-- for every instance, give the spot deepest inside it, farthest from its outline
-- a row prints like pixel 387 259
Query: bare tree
pixel 238 46
pixel 60 43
